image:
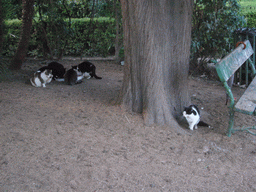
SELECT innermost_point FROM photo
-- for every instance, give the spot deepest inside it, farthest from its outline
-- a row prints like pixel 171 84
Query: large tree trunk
pixel 27 16
pixel 157 36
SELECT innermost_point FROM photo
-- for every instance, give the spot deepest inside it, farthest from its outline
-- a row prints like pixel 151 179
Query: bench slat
pixel 229 64
pixel 247 103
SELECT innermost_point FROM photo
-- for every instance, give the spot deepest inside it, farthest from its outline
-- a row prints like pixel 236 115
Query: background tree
pixel 27 16
pixel 157 36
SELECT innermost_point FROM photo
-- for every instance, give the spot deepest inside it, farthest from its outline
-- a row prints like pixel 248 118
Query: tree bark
pixel 27 16
pixel 157 36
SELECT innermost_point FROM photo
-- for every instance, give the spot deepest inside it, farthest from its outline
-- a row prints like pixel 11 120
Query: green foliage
pixel 75 9
pixel 91 37
pixel 11 36
pixel 12 9
pixel 106 8
pixel 84 37
pixel 57 29
pixel 214 22
pixel 251 19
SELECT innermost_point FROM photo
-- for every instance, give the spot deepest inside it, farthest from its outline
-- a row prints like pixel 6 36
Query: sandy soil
pixel 74 138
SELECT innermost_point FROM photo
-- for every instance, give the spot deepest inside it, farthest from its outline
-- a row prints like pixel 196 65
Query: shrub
pixel 83 37
pixel 92 37
pixel 212 34
pixel 11 36
pixel 251 19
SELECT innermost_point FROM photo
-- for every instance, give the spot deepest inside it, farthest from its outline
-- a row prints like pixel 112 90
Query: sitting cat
pixel 58 70
pixel 40 78
pixel 192 115
pixel 88 69
pixel 73 76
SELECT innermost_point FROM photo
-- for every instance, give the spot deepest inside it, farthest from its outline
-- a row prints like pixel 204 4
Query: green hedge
pixel 79 37
pixel 251 19
pixel 95 38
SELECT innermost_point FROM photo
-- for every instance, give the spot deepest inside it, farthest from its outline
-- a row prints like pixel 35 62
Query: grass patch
pixel 247 6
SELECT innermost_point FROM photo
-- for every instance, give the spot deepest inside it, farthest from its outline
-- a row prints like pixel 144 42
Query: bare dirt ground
pixel 74 138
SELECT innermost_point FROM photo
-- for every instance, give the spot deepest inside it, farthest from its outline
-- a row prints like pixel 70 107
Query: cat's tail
pixel 94 74
pixel 201 123
pixel 96 77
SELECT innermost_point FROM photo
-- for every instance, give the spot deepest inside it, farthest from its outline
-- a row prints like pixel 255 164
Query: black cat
pixel 58 70
pixel 88 69
pixel 73 76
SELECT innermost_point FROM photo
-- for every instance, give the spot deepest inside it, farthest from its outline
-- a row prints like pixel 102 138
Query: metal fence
pixel 243 75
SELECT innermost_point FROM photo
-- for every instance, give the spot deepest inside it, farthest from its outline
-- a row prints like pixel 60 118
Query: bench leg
pixel 231 122
pixel 231 125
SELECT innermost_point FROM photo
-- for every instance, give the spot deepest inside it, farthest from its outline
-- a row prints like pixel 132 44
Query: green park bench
pixel 225 69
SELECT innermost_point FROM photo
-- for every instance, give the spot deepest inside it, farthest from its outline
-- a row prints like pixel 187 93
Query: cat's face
pixel 75 67
pixel 48 72
pixel 77 70
pixel 47 75
pixel 190 111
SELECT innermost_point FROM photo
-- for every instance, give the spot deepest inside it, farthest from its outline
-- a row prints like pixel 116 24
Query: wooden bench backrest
pixel 233 61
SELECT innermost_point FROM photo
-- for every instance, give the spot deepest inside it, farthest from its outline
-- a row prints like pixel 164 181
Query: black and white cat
pixel 40 78
pixel 73 76
pixel 192 115
pixel 88 69
pixel 58 70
